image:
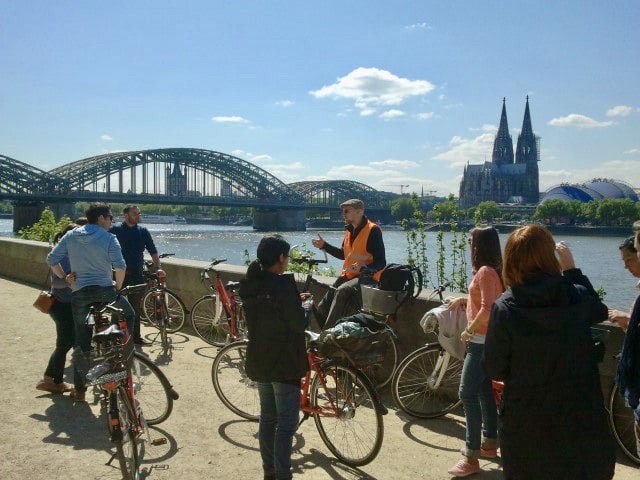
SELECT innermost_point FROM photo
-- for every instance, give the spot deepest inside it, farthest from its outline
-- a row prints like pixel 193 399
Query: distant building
pixel 504 180
pixel 596 189
pixel 176 181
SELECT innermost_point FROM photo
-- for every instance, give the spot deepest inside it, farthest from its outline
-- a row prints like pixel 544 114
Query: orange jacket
pixel 357 252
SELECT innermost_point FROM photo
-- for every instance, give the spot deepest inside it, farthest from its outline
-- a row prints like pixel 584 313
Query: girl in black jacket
pixel 554 423
pixel 276 353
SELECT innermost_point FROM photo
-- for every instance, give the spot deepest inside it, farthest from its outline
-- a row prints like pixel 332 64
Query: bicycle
pixel 344 405
pixel 218 317
pixel 161 307
pixel 622 421
pixel 125 420
pixel 426 382
pixel 379 373
pixel 151 387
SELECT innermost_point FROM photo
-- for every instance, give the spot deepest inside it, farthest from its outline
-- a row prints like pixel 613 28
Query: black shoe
pixel 141 341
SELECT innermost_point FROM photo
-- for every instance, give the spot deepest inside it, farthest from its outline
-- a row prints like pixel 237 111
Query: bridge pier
pixel 26 214
pixel 271 219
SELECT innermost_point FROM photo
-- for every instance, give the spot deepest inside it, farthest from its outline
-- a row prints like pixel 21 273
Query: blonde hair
pixel 529 251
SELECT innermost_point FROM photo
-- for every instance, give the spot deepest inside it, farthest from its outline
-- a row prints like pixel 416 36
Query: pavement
pixel 51 437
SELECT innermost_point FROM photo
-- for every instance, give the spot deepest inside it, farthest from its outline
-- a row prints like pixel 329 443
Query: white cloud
pixel 418 26
pixel 285 103
pixel 575 120
pixel 231 119
pixel 390 114
pixel 424 115
pixel 396 164
pixel 633 151
pixel 367 112
pixel 106 138
pixel 619 111
pixel 473 150
pixel 368 87
pixel 625 170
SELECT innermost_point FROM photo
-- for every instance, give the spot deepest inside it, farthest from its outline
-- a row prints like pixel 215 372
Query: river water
pixel 598 257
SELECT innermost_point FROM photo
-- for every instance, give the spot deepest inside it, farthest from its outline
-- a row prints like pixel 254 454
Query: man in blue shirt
pixel 133 240
pixel 93 254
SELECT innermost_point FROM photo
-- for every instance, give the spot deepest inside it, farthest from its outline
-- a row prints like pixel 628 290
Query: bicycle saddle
pixel 231 284
pixel 110 333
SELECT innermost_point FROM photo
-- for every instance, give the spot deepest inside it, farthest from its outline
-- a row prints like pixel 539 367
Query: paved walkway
pixel 46 436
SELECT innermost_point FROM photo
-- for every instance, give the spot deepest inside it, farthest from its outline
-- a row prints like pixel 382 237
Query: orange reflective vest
pixel 357 251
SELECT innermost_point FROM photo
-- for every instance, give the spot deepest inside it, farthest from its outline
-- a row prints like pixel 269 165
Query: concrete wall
pixel 24 261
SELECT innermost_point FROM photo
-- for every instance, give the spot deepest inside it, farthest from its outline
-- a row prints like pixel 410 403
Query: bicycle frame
pixel 226 297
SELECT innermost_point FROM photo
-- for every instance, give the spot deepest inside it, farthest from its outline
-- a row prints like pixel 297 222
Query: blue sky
pixel 386 93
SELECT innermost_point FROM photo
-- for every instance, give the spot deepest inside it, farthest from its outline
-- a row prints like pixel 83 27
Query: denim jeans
pixel 81 301
pixel 279 412
pixel 135 299
pixel 65 338
pixel 477 398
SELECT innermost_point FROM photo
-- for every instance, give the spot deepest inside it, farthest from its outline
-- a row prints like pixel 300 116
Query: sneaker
pixel 76 395
pixel 464 468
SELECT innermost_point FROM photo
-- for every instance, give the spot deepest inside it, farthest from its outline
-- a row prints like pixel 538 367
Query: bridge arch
pixel 336 191
pixel 210 174
pixel 19 178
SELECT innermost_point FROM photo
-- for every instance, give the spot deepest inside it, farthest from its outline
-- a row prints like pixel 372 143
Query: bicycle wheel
pixel 209 320
pixel 622 421
pixel 176 311
pixel 381 374
pixel 232 385
pixel 152 389
pixel 126 439
pixel 347 422
pixel 426 383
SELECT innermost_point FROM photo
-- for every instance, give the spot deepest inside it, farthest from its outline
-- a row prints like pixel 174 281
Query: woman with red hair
pixel 539 343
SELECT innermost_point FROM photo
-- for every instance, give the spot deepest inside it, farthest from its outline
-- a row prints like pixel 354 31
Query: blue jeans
pixel 279 412
pixel 477 398
pixel 81 301
pixel 63 318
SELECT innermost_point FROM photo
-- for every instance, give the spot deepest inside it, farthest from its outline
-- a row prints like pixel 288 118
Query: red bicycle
pixel 218 318
pixel 341 399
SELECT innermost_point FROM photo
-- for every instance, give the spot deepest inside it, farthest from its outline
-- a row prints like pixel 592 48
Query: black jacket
pixel 539 342
pixel 276 322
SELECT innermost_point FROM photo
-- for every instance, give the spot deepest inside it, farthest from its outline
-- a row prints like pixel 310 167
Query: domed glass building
pixel 597 189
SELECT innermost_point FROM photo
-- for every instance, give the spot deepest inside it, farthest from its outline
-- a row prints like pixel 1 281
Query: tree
pixel 402 208
pixel 486 211
pixel 616 211
pixel 46 228
pixel 447 211
pixel 553 210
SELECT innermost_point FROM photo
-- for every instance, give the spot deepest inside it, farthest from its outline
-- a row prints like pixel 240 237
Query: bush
pixel 46 228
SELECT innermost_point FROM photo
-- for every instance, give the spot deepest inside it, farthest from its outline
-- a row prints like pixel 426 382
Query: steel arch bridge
pixel 176 176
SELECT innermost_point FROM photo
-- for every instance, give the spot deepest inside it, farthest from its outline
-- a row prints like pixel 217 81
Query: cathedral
pixel 504 180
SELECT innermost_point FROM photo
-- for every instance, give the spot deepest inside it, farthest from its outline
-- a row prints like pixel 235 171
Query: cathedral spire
pixel 527 130
pixel 527 148
pixel 503 144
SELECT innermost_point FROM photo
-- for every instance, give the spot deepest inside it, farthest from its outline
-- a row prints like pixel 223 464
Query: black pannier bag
pixel 358 340
pixel 397 277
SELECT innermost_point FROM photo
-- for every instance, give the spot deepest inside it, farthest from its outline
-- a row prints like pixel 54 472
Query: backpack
pixel 397 277
pixel 358 340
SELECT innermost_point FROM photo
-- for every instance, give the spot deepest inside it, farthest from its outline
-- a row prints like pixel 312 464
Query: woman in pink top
pixel 475 386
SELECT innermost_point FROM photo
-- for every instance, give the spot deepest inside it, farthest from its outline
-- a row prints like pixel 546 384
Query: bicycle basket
pixel 361 349
pixel 384 302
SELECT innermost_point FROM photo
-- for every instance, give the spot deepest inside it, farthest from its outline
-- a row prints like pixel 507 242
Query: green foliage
pixel 299 251
pixel 486 212
pixel 403 207
pixel 6 207
pixel 448 214
pixel 46 228
pixel 606 212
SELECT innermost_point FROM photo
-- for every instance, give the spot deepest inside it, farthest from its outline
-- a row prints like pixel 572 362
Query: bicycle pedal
pixel 159 467
pixel 159 441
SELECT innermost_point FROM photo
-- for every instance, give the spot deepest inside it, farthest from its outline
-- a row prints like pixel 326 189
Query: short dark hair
pixel 628 245
pixel 269 250
pixel 126 209
pixel 97 210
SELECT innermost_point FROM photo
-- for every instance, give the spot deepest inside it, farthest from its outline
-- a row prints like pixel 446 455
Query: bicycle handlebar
pixel 123 292
pixel 308 259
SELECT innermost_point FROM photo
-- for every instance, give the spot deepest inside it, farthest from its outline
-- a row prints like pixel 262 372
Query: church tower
pixel 503 144
pixel 527 152
pixel 176 181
